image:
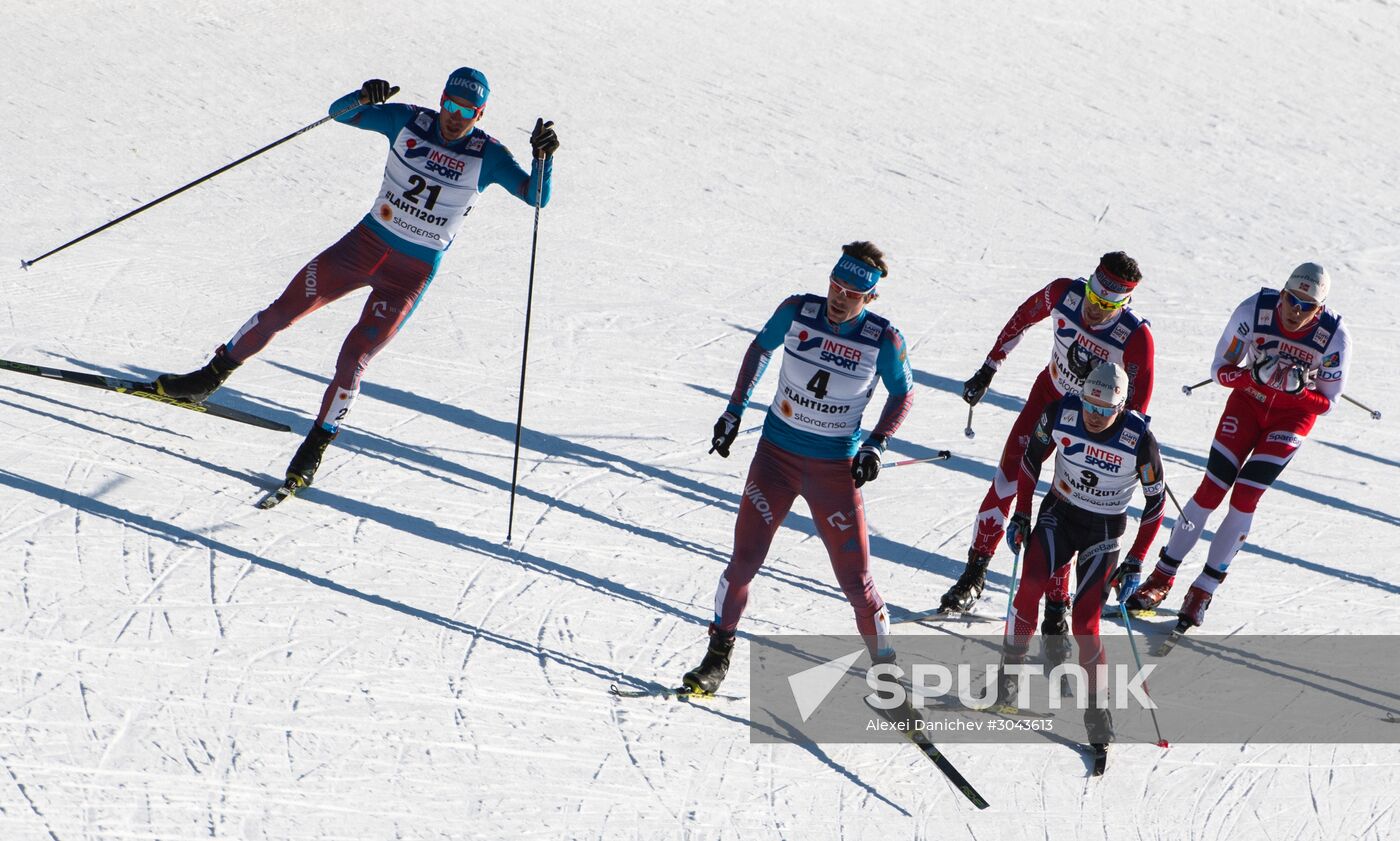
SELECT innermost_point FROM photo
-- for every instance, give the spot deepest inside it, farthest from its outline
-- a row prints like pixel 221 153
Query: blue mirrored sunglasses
pixel 468 112
pixel 1101 411
pixel 1298 303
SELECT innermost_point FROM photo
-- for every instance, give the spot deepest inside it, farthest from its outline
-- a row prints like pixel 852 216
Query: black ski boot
pixel 197 386
pixel 968 589
pixel 1054 631
pixel 706 678
pixel 308 458
pixel 1099 723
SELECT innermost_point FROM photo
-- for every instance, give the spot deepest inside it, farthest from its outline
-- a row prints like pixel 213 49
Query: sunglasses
pixel 468 112
pixel 1298 303
pixel 1104 303
pixel 850 294
pixel 1100 411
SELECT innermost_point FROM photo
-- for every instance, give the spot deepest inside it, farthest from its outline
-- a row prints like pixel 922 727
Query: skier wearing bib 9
pixel 438 165
pixel 1103 451
pixel 1284 355
pixel 834 352
pixel 1092 323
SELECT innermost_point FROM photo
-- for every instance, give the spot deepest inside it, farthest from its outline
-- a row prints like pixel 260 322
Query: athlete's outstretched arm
pixel 1041 445
pixel 1154 487
pixel 760 351
pixel 1033 310
pixel 387 119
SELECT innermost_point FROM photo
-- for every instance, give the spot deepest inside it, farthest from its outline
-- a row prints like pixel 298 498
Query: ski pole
pixel 1011 591
pixel 943 455
pixel 968 430
pixel 25 264
pixel 1187 389
pixel 1374 414
pixel 1179 512
pixel 1132 641
pixel 525 350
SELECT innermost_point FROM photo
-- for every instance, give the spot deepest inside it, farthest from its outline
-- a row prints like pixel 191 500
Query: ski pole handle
pixel 1374 414
pixel 25 264
pixel 1187 389
pixel 943 455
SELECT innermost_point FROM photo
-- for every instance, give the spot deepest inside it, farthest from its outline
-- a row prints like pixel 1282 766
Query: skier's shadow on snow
pixel 167 531
pixel 591 456
pixel 1014 405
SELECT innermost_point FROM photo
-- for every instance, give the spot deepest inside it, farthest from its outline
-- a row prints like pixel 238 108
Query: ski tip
pixel 1163 744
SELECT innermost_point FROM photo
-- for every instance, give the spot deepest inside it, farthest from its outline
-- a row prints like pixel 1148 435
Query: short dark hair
pixel 1121 265
pixel 868 253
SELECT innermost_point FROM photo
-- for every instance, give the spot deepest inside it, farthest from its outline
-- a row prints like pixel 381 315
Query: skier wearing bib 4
pixel 834 352
pixel 1102 453
pixel 439 163
pixel 1092 324
pixel 1285 356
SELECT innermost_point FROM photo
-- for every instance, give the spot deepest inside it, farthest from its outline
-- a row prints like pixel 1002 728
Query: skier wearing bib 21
pixel 438 165
pixel 1284 355
pixel 834 351
pixel 1102 452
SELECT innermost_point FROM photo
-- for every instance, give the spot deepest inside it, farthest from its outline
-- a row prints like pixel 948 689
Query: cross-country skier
pixel 1092 323
pixel 438 165
pixel 1102 453
pixel 1284 355
pixel 834 351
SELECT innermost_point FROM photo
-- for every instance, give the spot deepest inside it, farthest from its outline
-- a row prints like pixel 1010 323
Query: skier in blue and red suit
pixel 834 351
pixel 439 163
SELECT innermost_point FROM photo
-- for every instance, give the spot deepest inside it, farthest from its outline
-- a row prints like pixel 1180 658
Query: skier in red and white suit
pixel 1092 324
pixel 1285 357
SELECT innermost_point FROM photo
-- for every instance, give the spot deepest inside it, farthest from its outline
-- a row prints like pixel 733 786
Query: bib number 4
pixel 818 384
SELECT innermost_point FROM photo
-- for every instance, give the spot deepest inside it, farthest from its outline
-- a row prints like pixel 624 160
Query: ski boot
pixel 308 456
pixel 968 589
pixel 1154 589
pixel 1054 630
pixel 197 386
pixel 1099 723
pixel 706 678
pixel 1193 608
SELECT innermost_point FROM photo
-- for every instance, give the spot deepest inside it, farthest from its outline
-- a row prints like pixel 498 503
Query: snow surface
pixel 370 662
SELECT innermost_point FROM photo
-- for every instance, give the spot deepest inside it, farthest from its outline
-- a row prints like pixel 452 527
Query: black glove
pixel 1080 360
pixel 976 385
pixel 865 467
pixel 374 92
pixel 1018 530
pixel 543 139
pixel 726 430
